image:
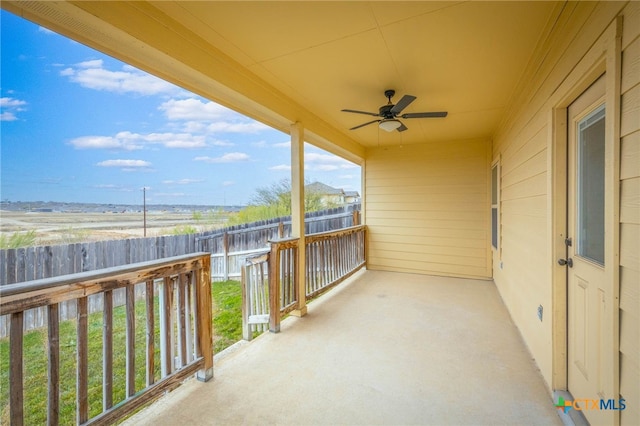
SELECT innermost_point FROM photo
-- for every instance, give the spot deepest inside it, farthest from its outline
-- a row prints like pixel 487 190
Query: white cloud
pixel 282 144
pixel 280 167
pixel 217 142
pixel 319 163
pixel 45 30
pixel 182 181
pixel 194 110
pixel 96 63
pixel 10 102
pixel 93 75
pixel 231 157
pixel 130 141
pixel 11 107
pixel 8 116
pixel 126 164
pixel 170 194
pixel 326 162
pixel 101 142
pixel 227 127
pixel 209 117
pixel 113 187
pixel 228 183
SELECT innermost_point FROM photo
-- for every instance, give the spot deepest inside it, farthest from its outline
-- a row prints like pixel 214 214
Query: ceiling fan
pixel 390 113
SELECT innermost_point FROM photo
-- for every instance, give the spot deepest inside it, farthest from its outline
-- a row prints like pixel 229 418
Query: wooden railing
pixel 269 279
pixel 176 310
pixel 332 257
pixel 255 295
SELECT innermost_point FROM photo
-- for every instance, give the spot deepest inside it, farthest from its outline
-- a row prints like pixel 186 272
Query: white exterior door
pixel 589 366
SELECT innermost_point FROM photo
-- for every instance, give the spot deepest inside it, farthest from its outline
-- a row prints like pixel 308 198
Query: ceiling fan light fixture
pixel 390 125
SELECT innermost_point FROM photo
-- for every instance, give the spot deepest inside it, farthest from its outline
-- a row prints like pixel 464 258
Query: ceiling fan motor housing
pixel 385 111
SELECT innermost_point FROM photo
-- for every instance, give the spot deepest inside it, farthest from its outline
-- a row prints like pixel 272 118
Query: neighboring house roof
pixel 323 189
pixel 329 191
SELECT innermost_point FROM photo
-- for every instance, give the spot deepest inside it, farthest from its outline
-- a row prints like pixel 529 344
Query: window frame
pixel 495 205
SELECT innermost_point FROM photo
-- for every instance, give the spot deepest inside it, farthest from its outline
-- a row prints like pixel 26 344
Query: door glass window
pixel 590 179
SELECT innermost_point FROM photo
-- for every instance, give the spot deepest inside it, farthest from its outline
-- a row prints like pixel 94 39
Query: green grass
pixel 227 328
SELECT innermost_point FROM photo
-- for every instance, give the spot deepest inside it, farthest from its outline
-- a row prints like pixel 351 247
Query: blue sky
pixel 80 126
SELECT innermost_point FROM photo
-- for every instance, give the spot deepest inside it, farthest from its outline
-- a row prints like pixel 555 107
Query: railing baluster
pixel 16 380
pixel 166 330
pixel 283 276
pixel 325 263
pixel 82 384
pixel 262 291
pixel 130 348
pixel 107 350
pixel 294 275
pixel 182 328
pixel 245 277
pixel 150 339
pixel 187 315
pixel 53 398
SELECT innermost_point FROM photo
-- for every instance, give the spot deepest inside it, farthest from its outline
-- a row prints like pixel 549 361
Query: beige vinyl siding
pixel 427 208
pixel 524 274
pixel 630 217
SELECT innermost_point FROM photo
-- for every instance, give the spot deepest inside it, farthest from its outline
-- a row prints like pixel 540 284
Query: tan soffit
pixel 307 60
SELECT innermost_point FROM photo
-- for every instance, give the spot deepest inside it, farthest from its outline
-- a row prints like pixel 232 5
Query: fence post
pixel 274 289
pixel 356 217
pixel 203 297
pixel 225 250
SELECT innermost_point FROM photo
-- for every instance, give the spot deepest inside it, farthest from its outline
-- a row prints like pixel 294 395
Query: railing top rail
pixel 241 252
pixel 30 294
pixel 283 240
pixel 260 257
pixel 321 235
pixel 331 234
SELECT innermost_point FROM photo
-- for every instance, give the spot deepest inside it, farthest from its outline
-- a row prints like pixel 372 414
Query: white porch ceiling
pixel 308 60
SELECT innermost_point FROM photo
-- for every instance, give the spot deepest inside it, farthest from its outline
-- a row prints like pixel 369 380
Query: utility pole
pixel 144 209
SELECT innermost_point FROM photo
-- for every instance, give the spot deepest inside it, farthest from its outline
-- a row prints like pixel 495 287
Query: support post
pixel 274 289
pixel 297 214
pixel 205 333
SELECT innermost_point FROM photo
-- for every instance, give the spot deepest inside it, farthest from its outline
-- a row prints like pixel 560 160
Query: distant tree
pixel 183 230
pixel 213 219
pixel 273 201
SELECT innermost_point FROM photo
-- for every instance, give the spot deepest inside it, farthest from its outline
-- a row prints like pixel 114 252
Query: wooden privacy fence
pixel 229 248
pixel 33 263
pixel 178 342
pixel 269 281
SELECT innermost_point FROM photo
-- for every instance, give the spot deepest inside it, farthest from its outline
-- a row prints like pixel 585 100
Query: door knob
pixel 563 262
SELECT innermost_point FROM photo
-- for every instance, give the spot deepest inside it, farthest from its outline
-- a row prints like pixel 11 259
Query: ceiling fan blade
pixel 402 104
pixel 375 114
pixel 425 114
pixel 402 128
pixel 365 124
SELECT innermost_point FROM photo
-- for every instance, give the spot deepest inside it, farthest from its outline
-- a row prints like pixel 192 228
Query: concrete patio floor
pixel 382 348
